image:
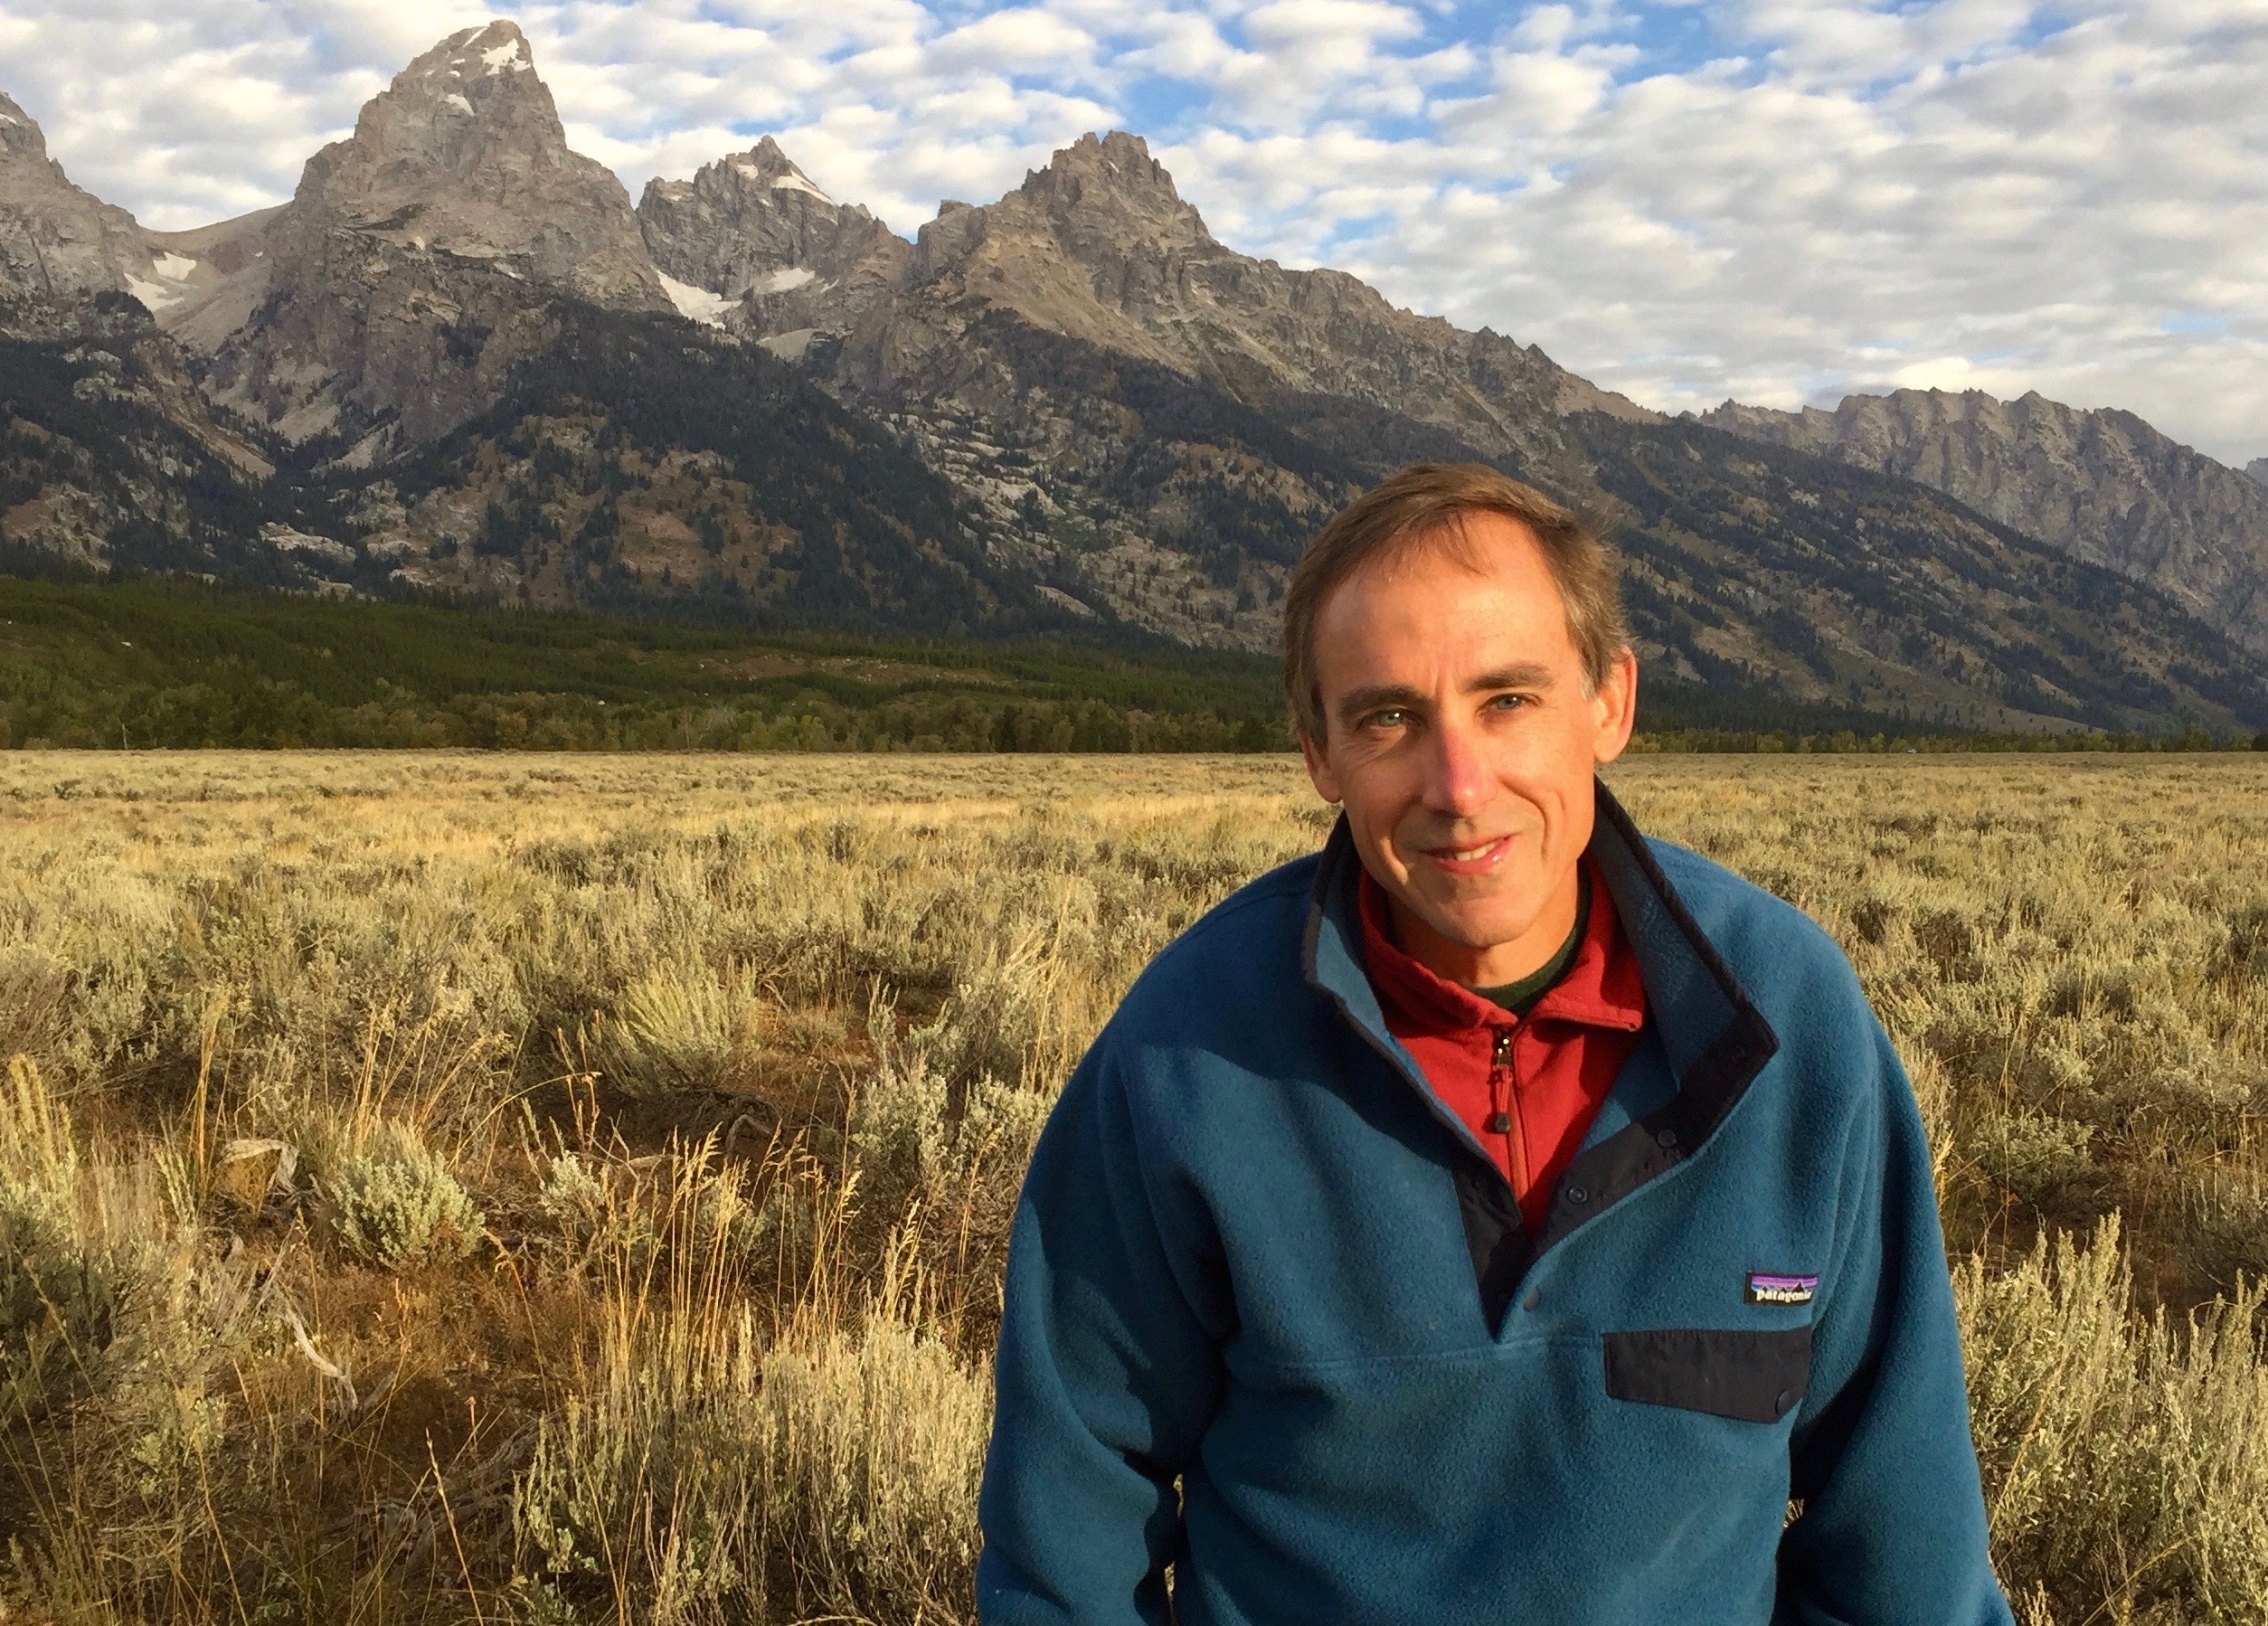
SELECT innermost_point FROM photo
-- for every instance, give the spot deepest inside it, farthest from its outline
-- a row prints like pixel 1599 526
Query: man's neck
pixel 1500 963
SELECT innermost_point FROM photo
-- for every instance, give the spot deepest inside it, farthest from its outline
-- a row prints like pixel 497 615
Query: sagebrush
pixel 575 1189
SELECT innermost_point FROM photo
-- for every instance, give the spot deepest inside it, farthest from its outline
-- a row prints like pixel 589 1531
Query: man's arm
pixel 1106 1376
pixel 1894 1521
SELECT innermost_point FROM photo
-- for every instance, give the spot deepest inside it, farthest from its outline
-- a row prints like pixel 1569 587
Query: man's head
pixel 1456 663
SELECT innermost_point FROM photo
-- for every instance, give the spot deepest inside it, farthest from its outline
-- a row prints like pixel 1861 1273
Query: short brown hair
pixel 1420 502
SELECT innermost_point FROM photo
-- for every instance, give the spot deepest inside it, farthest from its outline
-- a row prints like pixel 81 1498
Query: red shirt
pixel 1528 1089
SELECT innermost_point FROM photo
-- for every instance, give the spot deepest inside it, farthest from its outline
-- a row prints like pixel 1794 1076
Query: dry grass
pixel 455 1188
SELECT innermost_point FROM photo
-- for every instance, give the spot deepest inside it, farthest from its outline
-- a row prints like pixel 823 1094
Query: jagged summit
pixel 1115 159
pixel 473 98
pixel 1100 247
pixel 764 175
pixel 492 50
pixel 752 242
pixel 409 272
pixel 21 139
pixel 765 163
pixel 471 68
pixel 59 243
pixel 464 154
pixel 1114 174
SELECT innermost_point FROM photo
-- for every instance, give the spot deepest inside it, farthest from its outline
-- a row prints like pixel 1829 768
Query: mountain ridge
pixel 2103 485
pixel 458 361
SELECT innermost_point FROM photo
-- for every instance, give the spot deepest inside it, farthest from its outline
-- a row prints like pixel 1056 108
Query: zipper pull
pixel 1504 1045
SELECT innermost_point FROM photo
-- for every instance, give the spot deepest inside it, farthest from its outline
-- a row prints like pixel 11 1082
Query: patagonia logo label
pixel 1763 1288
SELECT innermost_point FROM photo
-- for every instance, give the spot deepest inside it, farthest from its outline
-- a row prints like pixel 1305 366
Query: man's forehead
pixel 1491 567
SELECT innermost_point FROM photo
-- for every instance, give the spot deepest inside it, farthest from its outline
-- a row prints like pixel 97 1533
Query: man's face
pixel 1461 742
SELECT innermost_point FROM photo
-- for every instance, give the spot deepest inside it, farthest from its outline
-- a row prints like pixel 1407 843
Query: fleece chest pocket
pixel 1749 1376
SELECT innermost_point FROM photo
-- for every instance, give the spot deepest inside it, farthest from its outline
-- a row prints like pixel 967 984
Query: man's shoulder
pixel 1766 941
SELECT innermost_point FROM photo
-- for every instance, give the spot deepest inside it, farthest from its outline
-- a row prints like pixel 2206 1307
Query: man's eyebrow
pixel 1526 675
pixel 1355 701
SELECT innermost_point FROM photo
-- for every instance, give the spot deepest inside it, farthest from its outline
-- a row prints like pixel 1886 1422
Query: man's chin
pixel 1478 932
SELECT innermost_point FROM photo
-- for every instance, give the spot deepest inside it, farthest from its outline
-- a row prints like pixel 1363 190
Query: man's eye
pixel 1388 719
pixel 1507 702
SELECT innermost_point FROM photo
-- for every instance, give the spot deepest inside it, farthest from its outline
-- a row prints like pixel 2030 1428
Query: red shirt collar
pixel 1601 988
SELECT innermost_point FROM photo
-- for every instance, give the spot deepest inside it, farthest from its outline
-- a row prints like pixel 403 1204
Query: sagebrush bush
pixel 874 1445
pixel 643 1497
pixel 940 1166
pixel 682 1028
pixel 706 1480
pixel 402 1208
pixel 708 1471
pixel 2125 1458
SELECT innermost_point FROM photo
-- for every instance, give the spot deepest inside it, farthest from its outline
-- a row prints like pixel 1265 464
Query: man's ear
pixel 1614 705
pixel 1320 770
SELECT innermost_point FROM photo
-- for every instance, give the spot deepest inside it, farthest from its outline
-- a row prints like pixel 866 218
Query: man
pixel 1496 1216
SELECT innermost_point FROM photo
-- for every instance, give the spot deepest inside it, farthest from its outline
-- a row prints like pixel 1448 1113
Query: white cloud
pixel 1770 199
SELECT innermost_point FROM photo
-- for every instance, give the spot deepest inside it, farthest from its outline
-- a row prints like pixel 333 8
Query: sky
pixel 1774 201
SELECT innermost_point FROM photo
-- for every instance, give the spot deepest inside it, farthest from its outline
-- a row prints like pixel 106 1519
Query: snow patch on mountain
pixel 789 346
pixel 792 182
pixel 154 298
pixel 696 304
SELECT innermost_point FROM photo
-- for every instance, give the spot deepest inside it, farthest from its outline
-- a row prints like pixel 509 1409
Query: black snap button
pixel 1577 1195
pixel 1666 1138
pixel 1780 1405
pixel 1532 1301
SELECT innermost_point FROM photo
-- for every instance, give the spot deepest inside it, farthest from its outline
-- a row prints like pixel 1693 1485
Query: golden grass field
pixel 487 1188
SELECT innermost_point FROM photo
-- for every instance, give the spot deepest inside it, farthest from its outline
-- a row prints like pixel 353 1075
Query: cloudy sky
pixel 1774 200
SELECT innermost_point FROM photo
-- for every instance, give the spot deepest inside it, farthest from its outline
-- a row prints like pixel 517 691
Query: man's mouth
pixel 1477 859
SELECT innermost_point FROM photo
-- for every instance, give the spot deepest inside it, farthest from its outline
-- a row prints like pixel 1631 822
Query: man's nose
pixel 1457 779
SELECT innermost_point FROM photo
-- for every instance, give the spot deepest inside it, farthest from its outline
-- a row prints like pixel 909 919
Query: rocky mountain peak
pixel 764 169
pixel 2258 469
pixel 393 293
pixel 753 243
pixel 1110 181
pixel 472 108
pixel 464 154
pixel 485 75
pixel 762 178
pixel 21 141
pixel 59 243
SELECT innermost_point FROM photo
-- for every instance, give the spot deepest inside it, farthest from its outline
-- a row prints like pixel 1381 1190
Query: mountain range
pixel 459 360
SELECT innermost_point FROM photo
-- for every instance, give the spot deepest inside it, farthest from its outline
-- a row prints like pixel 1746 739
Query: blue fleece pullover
pixel 1273 1318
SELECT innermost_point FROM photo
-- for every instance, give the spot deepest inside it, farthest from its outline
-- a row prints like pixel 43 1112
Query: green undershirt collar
pixel 1521 997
